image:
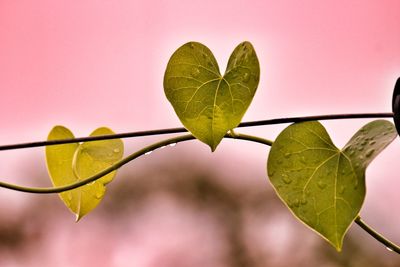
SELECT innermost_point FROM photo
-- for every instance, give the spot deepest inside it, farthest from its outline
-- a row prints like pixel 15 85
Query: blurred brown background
pixel 177 207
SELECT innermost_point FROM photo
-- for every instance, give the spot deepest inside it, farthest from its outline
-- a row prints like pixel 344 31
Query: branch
pixel 389 245
pixel 117 165
pixel 182 130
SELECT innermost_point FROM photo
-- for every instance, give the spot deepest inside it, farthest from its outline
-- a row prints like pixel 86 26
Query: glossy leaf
pixel 207 103
pixel 323 186
pixel 70 163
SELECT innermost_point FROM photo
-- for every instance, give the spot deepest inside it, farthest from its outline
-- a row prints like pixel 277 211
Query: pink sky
pixel 86 64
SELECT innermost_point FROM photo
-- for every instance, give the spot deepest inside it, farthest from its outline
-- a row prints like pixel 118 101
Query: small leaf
pixel 208 104
pixel 70 163
pixel 323 186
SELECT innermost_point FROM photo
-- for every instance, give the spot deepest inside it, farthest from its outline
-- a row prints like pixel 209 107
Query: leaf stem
pixel 182 130
pixel 389 245
pixel 117 165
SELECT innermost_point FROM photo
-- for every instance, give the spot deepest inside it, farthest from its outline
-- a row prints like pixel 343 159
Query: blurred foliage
pixel 238 226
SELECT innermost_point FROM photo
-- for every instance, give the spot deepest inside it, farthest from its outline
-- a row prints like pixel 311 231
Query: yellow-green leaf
pixel 207 103
pixel 323 186
pixel 70 163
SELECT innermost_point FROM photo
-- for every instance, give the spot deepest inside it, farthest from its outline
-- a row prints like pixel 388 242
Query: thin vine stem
pixel 117 165
pixel 388 244
pixel 182 130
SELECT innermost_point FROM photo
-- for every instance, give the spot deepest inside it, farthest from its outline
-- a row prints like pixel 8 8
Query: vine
pixel 323 186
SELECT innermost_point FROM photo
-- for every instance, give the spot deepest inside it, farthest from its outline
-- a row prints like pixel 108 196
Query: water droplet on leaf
pixel 364 143
pixel 370 152
pixel 246 77
pixel 271 173
pixel 356 184
pixel 116 150
pixel 99 194
pixel 286 179
pixel 195 72
pixel 173 144
pixel 388 248
pixel 342 189
pixel 321 184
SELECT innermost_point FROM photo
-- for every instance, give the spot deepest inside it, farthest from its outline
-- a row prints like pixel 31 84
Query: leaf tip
pixel 77 217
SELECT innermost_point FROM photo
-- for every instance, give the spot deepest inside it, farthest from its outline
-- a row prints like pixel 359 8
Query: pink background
pixel 86 64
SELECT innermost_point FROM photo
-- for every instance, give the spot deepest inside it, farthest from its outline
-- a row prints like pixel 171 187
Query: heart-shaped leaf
pixel 323 186
pixel 69 163
pixel 207 103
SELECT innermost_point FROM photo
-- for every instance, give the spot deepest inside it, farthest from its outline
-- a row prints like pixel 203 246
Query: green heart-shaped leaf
pixel 323 186
pixel 208 104
pixel 69 163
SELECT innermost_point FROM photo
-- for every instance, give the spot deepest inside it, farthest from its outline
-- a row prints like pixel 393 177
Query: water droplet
pixel 361 157
pixel 271 173
pixel 195 72
pixel 351 151
pixel 209 63
pixel 321 184
pixel 357 165
pixel 99 194
pixel 342 189
pixel 92 183
pixel 191 45
pixel 355 184
pixel 303 160
pixel 279 161
pixel 287 155
pixel 286 179
pixel 173 144
pixel 303 200
pixel 370 152
pixel 385 133
pixel 296 202
pixel 148 153
pixel 372 143
pixel 116 150
pixel 360 148
pixel 388 248
pixel 246 77
pixel 363 143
